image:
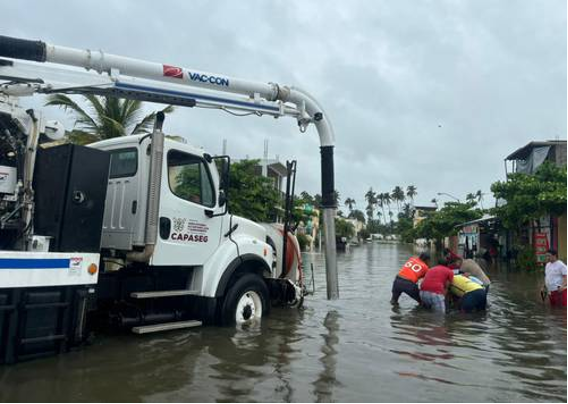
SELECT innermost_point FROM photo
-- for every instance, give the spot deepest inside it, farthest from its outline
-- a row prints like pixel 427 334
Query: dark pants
pixel 476 300
pixel 401 285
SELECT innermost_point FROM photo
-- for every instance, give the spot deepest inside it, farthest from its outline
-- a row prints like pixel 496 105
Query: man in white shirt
pixel 555 279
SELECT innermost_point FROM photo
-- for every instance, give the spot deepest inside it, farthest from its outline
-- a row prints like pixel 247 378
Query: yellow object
pixel 462 285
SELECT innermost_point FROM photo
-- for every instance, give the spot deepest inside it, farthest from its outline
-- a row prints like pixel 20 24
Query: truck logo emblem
pixel 173 71
pixel 179 224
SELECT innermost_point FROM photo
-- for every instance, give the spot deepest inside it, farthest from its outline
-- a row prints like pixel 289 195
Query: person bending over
pixel 406 281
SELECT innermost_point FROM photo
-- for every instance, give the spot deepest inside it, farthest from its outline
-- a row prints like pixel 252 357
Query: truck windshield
pixel 189 178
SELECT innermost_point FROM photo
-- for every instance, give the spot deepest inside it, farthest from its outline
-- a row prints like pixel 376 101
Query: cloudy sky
pixel 429 93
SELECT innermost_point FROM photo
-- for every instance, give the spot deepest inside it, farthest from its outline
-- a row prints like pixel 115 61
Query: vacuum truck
pixel 133 232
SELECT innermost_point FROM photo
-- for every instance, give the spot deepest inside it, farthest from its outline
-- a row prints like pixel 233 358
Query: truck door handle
pixel 209 213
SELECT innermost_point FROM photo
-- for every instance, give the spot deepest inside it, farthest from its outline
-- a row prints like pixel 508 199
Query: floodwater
pixel 358 348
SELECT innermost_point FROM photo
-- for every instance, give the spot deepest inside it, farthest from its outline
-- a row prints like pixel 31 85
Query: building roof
pixel 524 152
pixel 425 208
pixel 485 218
pixel 277 167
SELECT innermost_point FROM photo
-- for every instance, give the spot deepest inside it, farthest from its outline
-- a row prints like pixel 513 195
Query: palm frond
pixel 112 128
pixel 68 105
pixel 146 123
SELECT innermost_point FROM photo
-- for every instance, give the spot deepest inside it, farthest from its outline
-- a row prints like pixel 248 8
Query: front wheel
pixel 246 301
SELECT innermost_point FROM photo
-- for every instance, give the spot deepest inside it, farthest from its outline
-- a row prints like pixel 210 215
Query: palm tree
pixel 398 196
pixel 105 117
pixel 479 197
pixel 411 193
pixel 336 197
pixel 371 199
pixel 349 202
pixel 470 197
pixel 379 203
pixel 387 199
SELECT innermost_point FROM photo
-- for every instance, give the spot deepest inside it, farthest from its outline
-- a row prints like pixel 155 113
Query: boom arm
pixel 119 76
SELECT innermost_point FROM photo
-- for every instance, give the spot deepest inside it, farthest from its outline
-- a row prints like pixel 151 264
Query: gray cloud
pixel 429 93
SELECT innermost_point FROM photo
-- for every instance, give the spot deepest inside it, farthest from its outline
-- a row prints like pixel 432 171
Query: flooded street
pixel 355 349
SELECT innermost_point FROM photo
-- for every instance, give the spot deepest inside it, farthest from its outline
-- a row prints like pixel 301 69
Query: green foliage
pixel 357 215
pixel 302 241
pixel 251 195
pixel 443 222
pixel 343 228
pixel 363 234
pixel 374 226
pixel 398 195
pixel 411 192
pixel 405 229
pixel 526 258
pixel 349 202
pixel 105 117
pixel 529 197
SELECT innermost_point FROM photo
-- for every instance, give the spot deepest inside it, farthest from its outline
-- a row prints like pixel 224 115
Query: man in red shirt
pixel 435 286
pixel 407 279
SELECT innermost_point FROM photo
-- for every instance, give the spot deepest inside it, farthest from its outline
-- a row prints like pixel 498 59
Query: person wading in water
pixel 407 279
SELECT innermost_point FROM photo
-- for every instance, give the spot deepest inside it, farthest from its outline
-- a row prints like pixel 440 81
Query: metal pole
pixel 330 254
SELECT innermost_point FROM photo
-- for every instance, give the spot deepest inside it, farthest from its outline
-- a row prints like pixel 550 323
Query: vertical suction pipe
pixel 154 187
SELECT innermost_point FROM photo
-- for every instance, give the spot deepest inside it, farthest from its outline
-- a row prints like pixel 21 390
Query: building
pixel 275 171
pixel 529 157
pixel 421 212
pixel 548 230
pixel 476 237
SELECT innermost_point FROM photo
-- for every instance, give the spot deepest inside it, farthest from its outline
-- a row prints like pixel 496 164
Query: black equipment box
pixel 70 185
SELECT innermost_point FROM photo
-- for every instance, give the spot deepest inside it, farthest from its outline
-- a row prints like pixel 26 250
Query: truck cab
pixel 201 251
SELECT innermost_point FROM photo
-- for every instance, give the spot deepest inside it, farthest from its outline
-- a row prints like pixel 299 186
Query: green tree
pixel 470 197
pixel 349 202
pixel 411 193
pixel 251 195
pixel 105 117
pixel 387 200
pixel 306 197
pixel 479 197
pixel 357 215
pixel 343 228
pixel 443 222
pixel 371 199
pixel 397 196
pixel 529 197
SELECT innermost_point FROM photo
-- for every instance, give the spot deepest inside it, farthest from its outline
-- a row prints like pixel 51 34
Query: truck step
pixel 165 326
pixel 162 293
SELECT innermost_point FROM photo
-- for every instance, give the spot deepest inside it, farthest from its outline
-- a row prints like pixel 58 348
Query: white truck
pixel 133 231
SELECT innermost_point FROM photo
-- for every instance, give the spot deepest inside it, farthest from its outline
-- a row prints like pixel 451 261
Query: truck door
pixel 189 230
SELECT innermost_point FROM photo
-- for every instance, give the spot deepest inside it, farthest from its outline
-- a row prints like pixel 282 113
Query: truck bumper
pixel 22 269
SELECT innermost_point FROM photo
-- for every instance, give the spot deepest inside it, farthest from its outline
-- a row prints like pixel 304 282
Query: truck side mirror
pixel 222 198
pixel 223 164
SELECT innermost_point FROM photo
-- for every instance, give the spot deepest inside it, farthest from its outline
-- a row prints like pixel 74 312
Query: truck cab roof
pixel 117 142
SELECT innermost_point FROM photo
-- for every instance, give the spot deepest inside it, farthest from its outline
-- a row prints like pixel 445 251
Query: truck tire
pixel 247 301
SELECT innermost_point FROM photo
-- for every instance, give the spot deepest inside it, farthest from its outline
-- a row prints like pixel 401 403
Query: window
pixel 189 178
pixel 123 162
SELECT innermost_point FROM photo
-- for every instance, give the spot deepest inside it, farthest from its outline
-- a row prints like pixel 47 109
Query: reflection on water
pixel 358 348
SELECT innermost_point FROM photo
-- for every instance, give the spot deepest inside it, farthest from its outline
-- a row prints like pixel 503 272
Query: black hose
pixel 22 49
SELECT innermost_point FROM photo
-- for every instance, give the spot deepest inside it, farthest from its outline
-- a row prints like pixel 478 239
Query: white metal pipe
pixel 105 62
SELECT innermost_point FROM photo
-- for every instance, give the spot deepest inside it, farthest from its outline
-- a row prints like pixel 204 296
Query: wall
pixel 560 154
